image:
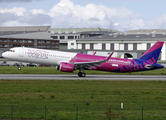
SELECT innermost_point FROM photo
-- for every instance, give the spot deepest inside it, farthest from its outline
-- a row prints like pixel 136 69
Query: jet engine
pixel 66 67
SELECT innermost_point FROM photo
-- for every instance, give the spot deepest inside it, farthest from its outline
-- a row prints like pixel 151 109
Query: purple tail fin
pixel 153 52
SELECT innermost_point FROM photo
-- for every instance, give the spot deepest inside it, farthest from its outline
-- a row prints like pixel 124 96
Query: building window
pixel 125 46
pixel 52 42
pixel 134 46
pixel 29 41
pixel 62 37
pixel 48 42
pixel 148 45
pixel 72 43
pixel 83 45
pixel 103 46
pixel 91 46
pixel 25 41
pixel 20 41
pixel 75 37
pixel 43 46
pixel 54 37
pixel 70 37
pixel 15 41
pixel 112 46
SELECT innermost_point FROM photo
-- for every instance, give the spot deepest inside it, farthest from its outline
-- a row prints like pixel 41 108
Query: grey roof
pixel 116 36
pixel 24 28
pixel 78 30
pixel 147 31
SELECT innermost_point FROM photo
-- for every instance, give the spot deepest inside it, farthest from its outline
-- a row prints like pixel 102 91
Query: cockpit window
pixel 11 50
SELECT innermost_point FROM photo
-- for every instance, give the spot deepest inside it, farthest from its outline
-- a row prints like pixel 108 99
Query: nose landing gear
pixel 19 68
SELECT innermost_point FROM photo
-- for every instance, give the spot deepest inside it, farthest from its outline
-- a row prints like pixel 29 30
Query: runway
pixel 75 77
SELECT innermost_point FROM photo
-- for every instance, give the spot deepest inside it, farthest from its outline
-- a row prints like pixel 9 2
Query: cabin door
pixel 21 52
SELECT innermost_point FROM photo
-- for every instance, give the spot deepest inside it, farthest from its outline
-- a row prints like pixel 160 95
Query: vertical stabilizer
pixel 153 52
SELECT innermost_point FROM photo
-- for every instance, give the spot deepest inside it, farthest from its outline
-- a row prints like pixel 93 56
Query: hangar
pixel 68 34
pixel 135 43
pixel 84 40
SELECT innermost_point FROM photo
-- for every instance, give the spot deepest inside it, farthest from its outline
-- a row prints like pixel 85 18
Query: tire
pixel 83 74
pixel 80 74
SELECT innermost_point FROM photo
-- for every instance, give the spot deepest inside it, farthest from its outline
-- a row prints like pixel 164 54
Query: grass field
pixel 52 70
pixel 96 100
pixel 81 100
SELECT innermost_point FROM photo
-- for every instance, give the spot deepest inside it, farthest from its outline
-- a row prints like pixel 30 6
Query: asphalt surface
pixel 75 77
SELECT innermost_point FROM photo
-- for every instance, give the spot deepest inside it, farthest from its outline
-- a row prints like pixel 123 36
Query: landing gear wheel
pixel 83 74
pixel 19 68
pixel 80 74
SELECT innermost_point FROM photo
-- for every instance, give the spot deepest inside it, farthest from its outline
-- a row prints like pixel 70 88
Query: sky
pixel 121 15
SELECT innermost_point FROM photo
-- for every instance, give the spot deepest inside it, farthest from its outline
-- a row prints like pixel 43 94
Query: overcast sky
pixel 113 14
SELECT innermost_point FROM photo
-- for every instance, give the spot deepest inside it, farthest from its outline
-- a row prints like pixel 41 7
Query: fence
pixel 81 113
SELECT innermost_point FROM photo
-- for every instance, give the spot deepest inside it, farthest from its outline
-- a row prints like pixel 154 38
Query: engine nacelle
pixel 66 67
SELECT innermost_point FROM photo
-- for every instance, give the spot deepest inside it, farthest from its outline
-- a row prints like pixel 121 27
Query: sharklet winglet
pixel 109 56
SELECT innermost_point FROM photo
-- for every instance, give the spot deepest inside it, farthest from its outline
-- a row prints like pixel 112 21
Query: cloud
pixel 19 11
pixel 38 11
pixel 20 16
pixel 66 14
pixel 91 15
pixel 7 17
pixel 35 19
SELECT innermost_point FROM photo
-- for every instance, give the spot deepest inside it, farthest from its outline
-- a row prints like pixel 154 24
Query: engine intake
pixel 66 67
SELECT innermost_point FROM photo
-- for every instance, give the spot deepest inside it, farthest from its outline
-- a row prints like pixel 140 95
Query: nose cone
pixel 4 54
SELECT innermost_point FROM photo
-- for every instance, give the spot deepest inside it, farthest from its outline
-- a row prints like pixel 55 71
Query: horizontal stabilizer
pixel 154 66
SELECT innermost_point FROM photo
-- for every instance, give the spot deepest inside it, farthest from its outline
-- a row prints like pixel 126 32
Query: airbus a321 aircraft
pixel 68 62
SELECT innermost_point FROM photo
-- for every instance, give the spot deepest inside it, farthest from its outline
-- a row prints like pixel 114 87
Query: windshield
pixel 10 50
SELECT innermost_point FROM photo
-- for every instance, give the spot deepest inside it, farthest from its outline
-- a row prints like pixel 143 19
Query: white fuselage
pixel 40 56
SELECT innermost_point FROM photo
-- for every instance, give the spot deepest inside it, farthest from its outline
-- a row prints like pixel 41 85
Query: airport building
pixel 28 36
pixel 64 35
pixel 129 44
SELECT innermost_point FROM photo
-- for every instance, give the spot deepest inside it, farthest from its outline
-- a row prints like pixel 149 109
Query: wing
pixel 89 65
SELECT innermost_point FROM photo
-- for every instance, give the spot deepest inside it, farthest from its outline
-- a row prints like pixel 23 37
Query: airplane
pixel 68 62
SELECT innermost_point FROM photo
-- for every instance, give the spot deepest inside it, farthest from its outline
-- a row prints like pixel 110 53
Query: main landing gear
pixel 81 73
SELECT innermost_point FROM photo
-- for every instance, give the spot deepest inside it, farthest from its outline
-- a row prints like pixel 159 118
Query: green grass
pixel 52 70
pixel 94 99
